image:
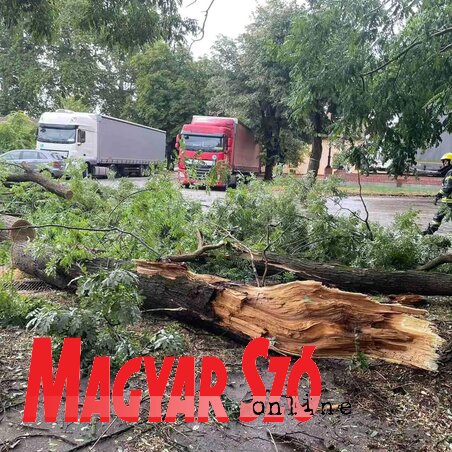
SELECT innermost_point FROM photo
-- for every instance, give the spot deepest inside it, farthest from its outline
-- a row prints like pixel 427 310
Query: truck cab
pixel 68 133
pixel 211 150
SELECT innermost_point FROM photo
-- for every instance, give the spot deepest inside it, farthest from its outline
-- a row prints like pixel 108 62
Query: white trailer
pixel 101 141
pixel 430 159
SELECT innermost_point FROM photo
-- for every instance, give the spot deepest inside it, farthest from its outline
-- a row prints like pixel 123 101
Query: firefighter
pixel 445 195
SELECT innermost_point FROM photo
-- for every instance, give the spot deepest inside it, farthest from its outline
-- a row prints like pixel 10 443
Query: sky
pixel 226 17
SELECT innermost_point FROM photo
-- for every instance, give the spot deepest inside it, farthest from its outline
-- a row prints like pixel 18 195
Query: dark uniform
pixel 445 195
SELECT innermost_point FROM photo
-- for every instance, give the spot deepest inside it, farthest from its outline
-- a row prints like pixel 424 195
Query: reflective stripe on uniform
pixel 446 200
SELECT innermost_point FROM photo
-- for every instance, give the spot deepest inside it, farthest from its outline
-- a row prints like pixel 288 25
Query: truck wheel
pixel 232 182
pixel 117 170
pixel 144 171
pixel 88 172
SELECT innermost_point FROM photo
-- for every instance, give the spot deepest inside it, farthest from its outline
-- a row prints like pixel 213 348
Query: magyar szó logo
pixel 101 395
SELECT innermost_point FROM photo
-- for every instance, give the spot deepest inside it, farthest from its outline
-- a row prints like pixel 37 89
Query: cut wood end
pixel 22 235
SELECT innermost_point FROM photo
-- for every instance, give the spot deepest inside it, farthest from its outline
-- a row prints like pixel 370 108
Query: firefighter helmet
pixel 447 156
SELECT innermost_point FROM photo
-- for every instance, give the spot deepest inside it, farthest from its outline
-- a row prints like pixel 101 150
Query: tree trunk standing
pixel 272 141
pixel 268 174
pixel 316 151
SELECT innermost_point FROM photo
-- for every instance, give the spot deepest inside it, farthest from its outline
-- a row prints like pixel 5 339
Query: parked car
pixel 38 160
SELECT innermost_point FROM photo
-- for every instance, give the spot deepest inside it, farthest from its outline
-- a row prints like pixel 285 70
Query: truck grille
pixel 201 171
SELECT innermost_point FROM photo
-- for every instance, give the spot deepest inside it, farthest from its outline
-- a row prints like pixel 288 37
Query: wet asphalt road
pixel 382 209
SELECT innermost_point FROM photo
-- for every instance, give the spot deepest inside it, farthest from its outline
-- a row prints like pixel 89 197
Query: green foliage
pixel 374 74
pixel 134 23
pixel 291 217
pixel 37 16
pixel 5 253
pixel 170 88
pixel 108 303
pixel 135 223
pixel 360 361
pixel 86 64
pixel 252 82
pixel 18 131
pixel 231 407
pixel 167 341
pixel 15 308
pixel 230 266
pixel 74 104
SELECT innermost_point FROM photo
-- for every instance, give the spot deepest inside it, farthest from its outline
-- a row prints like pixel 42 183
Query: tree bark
pixel 440 260
pixel 8 224
pixel 268 174
pixel 362 280
pixel 339 324
pixel 316 151
pixel 50 185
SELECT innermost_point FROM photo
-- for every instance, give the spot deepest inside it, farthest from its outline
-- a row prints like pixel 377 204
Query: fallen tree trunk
pixel 362 280
pixel 12 228
pixel 340 324
pixel 30 176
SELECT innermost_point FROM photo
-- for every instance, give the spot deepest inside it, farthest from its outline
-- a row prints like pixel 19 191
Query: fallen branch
pixel 362 280
pixel 30 176
pixel 6 445
pixel 440 260
pixel 190 257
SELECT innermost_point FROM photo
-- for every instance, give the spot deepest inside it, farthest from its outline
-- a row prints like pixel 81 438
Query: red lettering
pixel 305 365
pixel 184 382
pixel 41 374
pixel 257 347
pixel 131 412
pixel 99 381
pixel 209 394
pixel 157 384
pixel 279 365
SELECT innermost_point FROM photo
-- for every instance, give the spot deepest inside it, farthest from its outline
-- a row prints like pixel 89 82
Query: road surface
pixel 382 209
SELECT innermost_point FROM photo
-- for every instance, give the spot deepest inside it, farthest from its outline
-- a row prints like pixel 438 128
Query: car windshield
pixel 56 135
pixel 202 142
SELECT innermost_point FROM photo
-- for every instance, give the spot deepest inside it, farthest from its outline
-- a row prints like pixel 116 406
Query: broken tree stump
pixel 340 324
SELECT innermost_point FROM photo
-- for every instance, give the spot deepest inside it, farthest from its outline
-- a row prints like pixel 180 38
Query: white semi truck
pixel 103 142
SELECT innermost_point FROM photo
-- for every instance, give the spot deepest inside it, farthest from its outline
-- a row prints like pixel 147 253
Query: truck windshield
pixel 48 134
pixel 203 142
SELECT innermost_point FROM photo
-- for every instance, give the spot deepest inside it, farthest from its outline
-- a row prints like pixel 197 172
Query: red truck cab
pixel 213 150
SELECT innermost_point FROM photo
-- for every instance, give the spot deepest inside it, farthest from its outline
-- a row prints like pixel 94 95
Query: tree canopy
pixel 169 88
pixel 251 82
pixel 373 75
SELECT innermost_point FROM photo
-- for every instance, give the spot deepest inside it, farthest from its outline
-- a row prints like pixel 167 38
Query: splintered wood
pixel 338 323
